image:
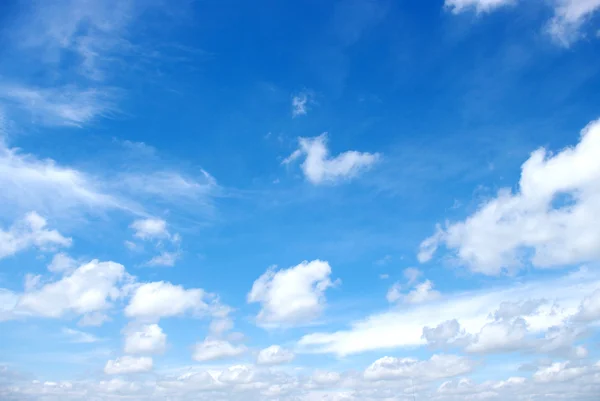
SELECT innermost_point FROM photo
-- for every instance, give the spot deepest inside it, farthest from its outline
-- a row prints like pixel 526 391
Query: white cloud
pixel 500 336
pixel 162 299
pixel 299 104
pixel 403 327
pixel 569 17
pixel 128 365
pixel 29 232
pixel 319 167
pixel 554 217
pixel 91 288
pixel 437 367
pixel 77 336
pixel 150 228
pixel 274 355
pixel 165 258
pixel 421 292
pixel 145 339
pixel 559 371
pixel 68 106
pixel 62 263
pixel 481 6
pixel 42 185
pixel 213 349
pixel 292 296
pixel 590 307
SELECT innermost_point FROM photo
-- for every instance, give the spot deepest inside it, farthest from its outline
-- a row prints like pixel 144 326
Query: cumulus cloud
pixel 419 293
pixel 213 349
pixel 403 327
pixel 274 355
pixel 150 228
pixel 292 296
pixel 145 339
pixel 319 167
pixel 128 365
pixel 162 299
pixel 437 367
pixel 29 232
pixel 62 263
pixel 91 288
pixel 551 221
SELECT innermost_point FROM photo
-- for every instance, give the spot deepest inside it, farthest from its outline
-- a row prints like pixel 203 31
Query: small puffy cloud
pixel 502 336
pixel 91 288
pixel 274 355
pixel 319 167
pixel 150 228
pixel 445 334
pixel 437 367
pixel 292 296
pixel 162 299
pixel 480 6
pixel 29 232
pixel 559 372
pixel 145 339
pixel 551 221
pixel 421 292
pixel 62 263
pixel 213 349
pixel 128 365
pixel 300 104
pixel 76 336
pixel 237 374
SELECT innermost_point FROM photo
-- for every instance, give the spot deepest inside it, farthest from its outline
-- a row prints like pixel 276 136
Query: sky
pixel 299 201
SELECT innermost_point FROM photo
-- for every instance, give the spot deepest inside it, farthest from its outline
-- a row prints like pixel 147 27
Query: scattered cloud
pixel 29 232
pixel 480 6
pixel 152 301
pixel 403 327
pixel 145 339
pixel 291 296
pixel 300 103
pixel 213 349
pixel 62 263
pixel 274 355
pixel 569 17
pixel 551 221
pixel 437 367
pixel 77 336
pixel 128 365
pixel 319 168
pixel 150 228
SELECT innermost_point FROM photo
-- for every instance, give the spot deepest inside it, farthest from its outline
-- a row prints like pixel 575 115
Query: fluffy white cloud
pixel 559 371
pixel 292 296
pixel 437 367
pixel 91 288
pixel 29 232
pixel 319 167
pixel 502 336
pixel 274 355
pixel 422 292
pixel 150 228
pixel 162 299
pixel 128 365
pixel 62 263
pixel 458 6
pixel 145 339
pixel 472 309
pixel 569 16
pixel 213 349
pixel 554 217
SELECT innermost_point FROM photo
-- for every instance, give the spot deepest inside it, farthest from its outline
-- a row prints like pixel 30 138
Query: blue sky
pixel 316 200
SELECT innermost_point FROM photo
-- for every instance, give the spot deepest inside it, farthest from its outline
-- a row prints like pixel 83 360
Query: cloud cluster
pixel 551 221
pixel 320 168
